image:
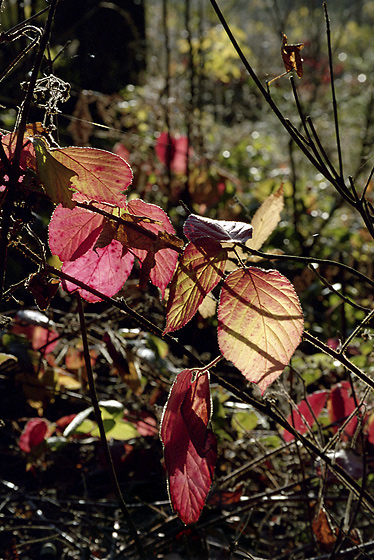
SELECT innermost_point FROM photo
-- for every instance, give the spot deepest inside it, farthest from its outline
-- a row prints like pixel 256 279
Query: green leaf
pixel 244 422
pixel 117 430
pixel 55 177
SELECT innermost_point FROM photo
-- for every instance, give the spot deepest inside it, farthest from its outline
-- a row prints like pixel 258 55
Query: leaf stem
pixel 104 442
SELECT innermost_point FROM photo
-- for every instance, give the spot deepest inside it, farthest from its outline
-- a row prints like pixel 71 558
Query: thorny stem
pixel 265 407
pixel 309 260
pixel 104 442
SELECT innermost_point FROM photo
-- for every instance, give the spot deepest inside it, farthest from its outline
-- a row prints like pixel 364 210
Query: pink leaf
pixel 35 431
pixel 197 228
pixel 165 259
pixel 27 159
pixel 100 175
pixel 103 269
pixel 260 323
pixel 173 152
pixel 315 403
pixel 73 232
pixel 341 404
pixel 189 446
pixel 199 271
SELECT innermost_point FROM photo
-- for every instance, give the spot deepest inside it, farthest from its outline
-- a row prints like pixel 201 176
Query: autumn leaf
pixel 72 232
pixel 266 219
pixel 104 269
pixel 341 404
pixel 55 177
pixel 291 56
pixel 306 413
pixel 43 289
pixel 147 232
pixel 98 175
pixel 199 271
pixel 173 152
pixel 260 323
pixel 197 228
pixel 326 536
pixel 34 433
pixel 190 448
pixel 264 222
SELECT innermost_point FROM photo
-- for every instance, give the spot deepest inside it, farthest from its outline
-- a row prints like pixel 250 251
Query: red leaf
pixel 100 175
pixel 260 323
pixel 199 271
pixel 190 448
pixel 172 152
pixel 369 428
pixel 197 228
pixel 103 269
pixel 73 232
pixel 35 431
pixel 341 404
pixel 37 335
pixel 314 402
pixel 64 422
pixel 165 259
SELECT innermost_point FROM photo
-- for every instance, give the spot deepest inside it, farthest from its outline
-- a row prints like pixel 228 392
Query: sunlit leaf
pixel 266 219
pixel 199 271
pixel 55 177
pixel 103 269
pixel 27 159
pixel 189 446
pixel 260 323
pixel 173 152
pixel 98 175
pixel 73 232
pixel 165 257
pixel 147 232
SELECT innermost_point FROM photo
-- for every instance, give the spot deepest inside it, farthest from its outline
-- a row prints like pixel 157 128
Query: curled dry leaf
pixel 291 56
pixel 198 228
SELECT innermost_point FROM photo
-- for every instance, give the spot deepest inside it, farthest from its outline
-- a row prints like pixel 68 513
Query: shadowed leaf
pixel 103 269
pixel 305 415
pixel 260 323
pixel 199 271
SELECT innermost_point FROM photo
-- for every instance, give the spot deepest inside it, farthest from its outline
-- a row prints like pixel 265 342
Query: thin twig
pixel 334 102
pixel 104 442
